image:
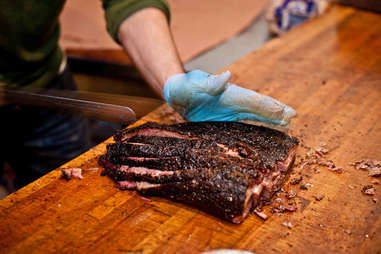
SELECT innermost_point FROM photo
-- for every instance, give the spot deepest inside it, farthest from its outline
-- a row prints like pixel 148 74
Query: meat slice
pixel 225 168
pixel 69 173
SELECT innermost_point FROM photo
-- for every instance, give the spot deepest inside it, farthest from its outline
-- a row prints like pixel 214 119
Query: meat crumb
pixel 369 190
pixel 290 208
pixel 337 170
pixel 373 166
pixel 282 209
pixel 309 185
pixel 316 170
pixel 348 231
pixel 321 151
pixel 291 194
pixel 374 200
pixel 69 173
pixel 261 214
pixel 374 171
pixel 328 164
pixel 287 224
pixel 319 197
pixel 351 187
pixel 375 182
pixel 295 181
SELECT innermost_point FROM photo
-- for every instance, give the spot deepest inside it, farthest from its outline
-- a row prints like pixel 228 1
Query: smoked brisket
pixel 225 168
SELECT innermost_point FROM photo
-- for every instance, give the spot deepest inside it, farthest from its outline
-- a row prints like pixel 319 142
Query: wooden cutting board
pixel 329 70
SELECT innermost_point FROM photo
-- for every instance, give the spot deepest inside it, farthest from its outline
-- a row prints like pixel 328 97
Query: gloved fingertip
pixel 289 113
pixel 226 74
pixel 216 84
pixel 222 78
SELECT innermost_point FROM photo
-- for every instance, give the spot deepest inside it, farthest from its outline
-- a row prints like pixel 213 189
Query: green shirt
pixel 29 32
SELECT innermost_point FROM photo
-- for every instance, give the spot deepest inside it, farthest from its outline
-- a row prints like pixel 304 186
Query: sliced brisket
pixel 226 168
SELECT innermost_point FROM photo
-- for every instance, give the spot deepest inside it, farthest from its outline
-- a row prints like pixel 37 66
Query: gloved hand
pixel 200 96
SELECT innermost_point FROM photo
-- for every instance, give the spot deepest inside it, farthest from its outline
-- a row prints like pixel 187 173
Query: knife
pixel 102 106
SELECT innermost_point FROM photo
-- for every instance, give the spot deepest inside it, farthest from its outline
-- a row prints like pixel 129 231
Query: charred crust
pixel 213 163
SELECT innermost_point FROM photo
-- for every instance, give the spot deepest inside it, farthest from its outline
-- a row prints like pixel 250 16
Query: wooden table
pixel 329 70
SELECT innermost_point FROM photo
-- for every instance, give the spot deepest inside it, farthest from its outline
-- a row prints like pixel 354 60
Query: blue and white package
pixel 286 14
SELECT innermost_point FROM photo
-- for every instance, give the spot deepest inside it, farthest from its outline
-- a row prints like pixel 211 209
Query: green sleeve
pixel 118 10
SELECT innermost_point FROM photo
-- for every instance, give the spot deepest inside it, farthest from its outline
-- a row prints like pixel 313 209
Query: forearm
pixel 148 41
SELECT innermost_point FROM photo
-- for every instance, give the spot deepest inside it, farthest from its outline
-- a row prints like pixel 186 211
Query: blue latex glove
pixel 200 96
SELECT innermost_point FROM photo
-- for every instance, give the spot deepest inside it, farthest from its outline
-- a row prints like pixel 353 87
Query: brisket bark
pixel 226 168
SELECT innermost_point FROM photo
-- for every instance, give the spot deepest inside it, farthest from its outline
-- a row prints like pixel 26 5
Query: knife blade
pixel 102 106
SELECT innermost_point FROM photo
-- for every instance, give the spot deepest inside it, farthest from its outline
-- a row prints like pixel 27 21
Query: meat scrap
pixel 329 164
pixel 321 151
pixel 69 173
pixel 291 194
pixel 318 159
pixel 295 181
pixel 337 170
pixel 225 168
pixel 373 166
pixel 347 231
pixel 374 171
pixel 261 214
pixel 283 209
pixel 369 190
pixel 287 224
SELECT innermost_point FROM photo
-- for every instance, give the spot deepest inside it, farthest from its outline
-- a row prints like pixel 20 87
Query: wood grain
pixel 329 70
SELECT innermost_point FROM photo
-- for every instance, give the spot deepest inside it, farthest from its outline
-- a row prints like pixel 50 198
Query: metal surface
pixel 107 107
